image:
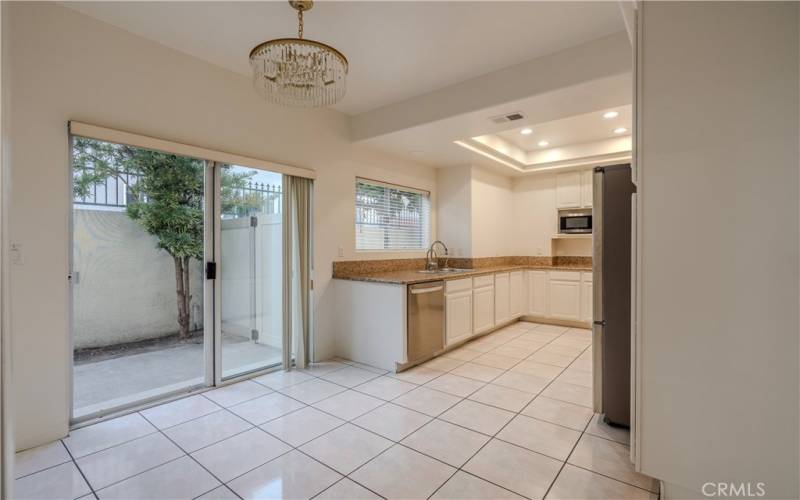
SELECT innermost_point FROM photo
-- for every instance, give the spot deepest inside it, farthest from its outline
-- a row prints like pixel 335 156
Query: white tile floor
pixel 506 416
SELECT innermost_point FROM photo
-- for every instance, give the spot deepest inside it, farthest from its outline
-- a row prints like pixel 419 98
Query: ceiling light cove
pixel 526 131
pixel 543 144
pixel 610 114
pixel 620 130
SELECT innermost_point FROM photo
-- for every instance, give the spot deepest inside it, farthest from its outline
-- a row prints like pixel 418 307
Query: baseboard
pixel 558 322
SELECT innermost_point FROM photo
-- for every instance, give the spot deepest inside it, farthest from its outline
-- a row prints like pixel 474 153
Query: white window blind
pixel 390 217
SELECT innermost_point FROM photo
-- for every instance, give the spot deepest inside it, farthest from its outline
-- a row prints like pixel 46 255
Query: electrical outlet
pixel 341 251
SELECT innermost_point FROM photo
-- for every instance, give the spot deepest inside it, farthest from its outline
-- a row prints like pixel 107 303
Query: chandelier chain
pixel 300 23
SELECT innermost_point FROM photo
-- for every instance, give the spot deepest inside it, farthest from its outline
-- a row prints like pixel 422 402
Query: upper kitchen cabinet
pixel 574 189
pixel 587 188
pixel 568 190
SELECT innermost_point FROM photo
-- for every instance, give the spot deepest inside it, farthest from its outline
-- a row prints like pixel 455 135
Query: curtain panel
pixel 298 252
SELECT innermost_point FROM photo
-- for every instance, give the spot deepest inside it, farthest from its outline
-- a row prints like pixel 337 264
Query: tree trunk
pixel 182 291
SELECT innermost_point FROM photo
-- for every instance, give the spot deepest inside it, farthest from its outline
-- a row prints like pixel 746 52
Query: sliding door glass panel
pixel 250 270
pixel 136 275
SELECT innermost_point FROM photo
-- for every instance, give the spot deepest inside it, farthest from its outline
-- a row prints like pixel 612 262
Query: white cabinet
pixel 587 297
pixel 502 302
pixel 568 190
pixel 587 188
pixel 516 293
pixel 537 293
pixel 458 316
pixel 586 302
pixel 565 299
pixel 574 189
pixel 565 295
pixel 482 308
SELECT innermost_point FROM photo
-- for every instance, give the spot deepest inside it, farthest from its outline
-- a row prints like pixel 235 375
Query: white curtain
pixel 297 251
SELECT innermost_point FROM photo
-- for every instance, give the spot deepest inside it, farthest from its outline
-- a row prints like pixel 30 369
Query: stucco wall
pixel 124 286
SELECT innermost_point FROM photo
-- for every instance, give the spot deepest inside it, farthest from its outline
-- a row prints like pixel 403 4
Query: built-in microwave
pixel 575 221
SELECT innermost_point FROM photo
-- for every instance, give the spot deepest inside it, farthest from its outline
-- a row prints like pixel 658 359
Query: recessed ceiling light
pixel 610 114
pixel 543 144
pixel 620 130
pixel 526 131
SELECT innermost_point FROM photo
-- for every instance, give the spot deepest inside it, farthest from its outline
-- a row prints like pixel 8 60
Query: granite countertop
pixel 410 276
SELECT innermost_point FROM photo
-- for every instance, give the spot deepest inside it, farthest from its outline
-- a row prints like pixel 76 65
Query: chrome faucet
pixel 432 259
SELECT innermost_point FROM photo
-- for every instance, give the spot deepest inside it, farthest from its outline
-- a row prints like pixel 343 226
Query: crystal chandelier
pixel 298 71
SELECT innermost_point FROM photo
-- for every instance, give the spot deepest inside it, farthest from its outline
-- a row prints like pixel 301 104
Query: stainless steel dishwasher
pixel 425 320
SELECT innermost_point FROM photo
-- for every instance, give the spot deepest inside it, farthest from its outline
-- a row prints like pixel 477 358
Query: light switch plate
pixel 16 254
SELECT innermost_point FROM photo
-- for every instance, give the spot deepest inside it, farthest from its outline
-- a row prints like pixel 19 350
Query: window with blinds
pixel 390 217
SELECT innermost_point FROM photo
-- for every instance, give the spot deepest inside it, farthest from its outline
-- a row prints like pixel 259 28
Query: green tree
pixel 166 200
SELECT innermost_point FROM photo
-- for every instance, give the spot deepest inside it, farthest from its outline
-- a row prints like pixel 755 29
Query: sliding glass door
pixel 177 273
pixel 137 281
pixel 251 270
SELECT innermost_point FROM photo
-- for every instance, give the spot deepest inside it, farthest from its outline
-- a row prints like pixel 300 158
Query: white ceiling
pixel 396 50
pixel 580 104
pixel 587 127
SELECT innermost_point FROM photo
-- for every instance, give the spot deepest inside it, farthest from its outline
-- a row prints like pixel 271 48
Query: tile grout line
pixel 384 403
pixel 400 443
pixel 227 408
pixel 80 471
pixel 189 455
pixel 433 418
pixel 503 427
pixel 372 432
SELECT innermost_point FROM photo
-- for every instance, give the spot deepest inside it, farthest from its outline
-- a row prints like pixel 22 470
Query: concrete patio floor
pixel 142 375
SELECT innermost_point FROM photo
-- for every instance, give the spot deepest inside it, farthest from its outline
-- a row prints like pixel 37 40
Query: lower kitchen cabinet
pixel 482 309
pixel 565 299
pixel 516 294
pixel 458 316
pixel 502 298
pixel 587 297
pixel 563 295
pixel 537 293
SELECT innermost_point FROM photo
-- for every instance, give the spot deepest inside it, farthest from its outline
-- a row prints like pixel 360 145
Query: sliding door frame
pixel 212 317
pixel 211 292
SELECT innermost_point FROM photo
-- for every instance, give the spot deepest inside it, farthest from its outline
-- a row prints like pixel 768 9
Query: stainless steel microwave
pixel 575 222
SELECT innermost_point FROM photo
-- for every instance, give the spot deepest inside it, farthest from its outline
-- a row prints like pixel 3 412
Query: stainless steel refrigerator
pixel 611 329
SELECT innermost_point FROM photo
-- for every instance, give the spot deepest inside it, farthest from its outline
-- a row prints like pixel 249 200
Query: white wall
pixel 484 213
pixel 63 66
pixel 454 187
pixel 492 214
pixel 475 211
pixel 720 220
pixel 534 203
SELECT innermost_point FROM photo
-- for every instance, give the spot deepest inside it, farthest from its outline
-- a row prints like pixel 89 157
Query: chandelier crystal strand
pixel 298 71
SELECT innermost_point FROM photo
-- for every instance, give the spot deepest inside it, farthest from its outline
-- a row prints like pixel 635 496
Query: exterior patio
pixel 151 371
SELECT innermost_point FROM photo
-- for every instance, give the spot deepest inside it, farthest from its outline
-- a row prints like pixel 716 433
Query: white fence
pixel 124 286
